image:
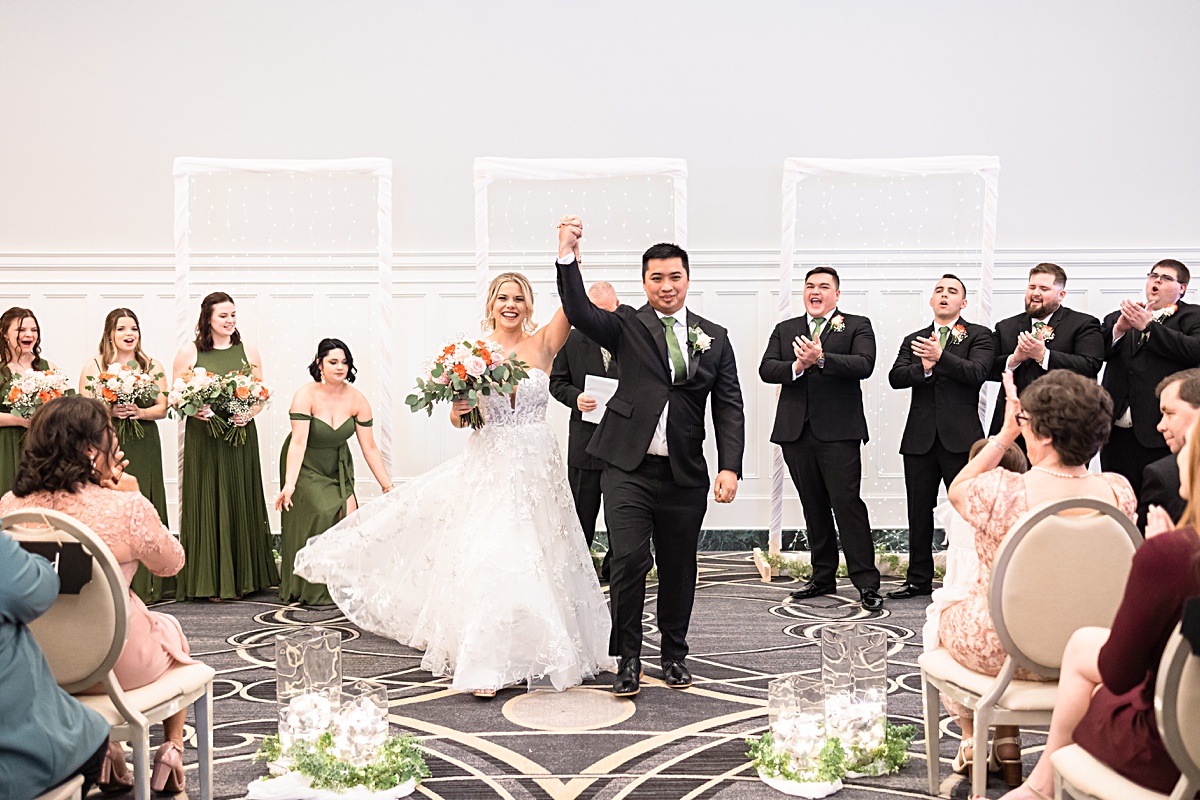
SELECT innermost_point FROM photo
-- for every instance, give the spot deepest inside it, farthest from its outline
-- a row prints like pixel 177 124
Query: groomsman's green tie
pixel 1037 327
pixel 942 332
pixel 818 323
pixel 673 348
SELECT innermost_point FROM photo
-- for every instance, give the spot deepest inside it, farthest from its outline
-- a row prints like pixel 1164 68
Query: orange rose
pixel 486 356
pixel 108 394
pixel 106 376
pixel 45 396
pixel 241 392
pixel 449 351
pixel 460 371
pixel 15 394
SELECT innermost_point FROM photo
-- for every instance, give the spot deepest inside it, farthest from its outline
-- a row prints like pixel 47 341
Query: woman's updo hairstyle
pixel 325 348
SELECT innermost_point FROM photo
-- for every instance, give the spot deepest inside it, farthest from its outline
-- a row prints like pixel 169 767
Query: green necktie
pixel 1037 328
pixel 673 348
pixel 818 323
pixel 945 329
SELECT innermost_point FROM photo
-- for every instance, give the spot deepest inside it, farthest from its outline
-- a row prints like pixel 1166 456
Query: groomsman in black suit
pixel 671 363
pixel 1145 342
pixel 1047 336
pixel 1179 403
pixel 944 364
pixel 578 358
pixel 821 359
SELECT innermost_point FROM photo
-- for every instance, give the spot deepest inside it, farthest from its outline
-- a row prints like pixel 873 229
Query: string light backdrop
pixel 883 223
pixel 305 250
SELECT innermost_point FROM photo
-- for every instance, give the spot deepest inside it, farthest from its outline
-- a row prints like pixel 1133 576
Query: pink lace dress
pixel 129 525
pixel 995 500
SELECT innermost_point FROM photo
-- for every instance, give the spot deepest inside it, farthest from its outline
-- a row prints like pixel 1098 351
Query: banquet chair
pixel 82 636
pixel 71 790
pixel 1052 574
pixel 1177 706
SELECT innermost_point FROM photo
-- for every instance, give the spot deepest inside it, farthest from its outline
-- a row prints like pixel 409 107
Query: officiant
pixel 578 358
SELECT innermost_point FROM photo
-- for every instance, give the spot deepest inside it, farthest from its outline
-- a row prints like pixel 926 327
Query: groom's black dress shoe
pixel 871 601
pixel 628 679
pixel 811 589
pixel 909 590
pixel 676 675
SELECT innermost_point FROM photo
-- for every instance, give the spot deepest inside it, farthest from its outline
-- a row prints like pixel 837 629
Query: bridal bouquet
pixel 466 370
pixel 192 391
pixel 240 392
pixel 122 384
pixel 34 388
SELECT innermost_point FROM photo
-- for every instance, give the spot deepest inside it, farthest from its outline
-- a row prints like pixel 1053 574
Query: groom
pixel 651 440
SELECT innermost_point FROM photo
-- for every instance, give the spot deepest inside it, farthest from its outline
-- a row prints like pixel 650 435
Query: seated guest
pixel 962 562
pixel 47 737
pixel 1105 698
pixel 1179 402
pixel 1064 419
pixel 72 464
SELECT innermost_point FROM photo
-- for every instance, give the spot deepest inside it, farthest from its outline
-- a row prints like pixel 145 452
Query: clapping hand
pixel 1029 347
pixel 1158 521
pixel 807 352
pixel 928 350
pixel 570 231
pixel 1134 315
pixel 1011 428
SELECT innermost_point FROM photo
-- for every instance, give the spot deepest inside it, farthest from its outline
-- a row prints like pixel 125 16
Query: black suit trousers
pixel 585 488
pixel 922 474
pixel 1125 455
pixel 640 507
pixel 828 476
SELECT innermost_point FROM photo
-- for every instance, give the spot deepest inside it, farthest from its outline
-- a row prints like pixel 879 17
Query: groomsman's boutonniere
pixel 1046 333
pixel 958 334
pixel 699 340
pixel 1168 311
pixel 838 323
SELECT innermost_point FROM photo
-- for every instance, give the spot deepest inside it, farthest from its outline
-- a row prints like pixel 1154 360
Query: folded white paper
pixel 602 389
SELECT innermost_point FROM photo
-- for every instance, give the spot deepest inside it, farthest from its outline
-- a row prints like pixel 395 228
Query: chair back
pixel 1054 574
pixel 81 635
pixel 1177 706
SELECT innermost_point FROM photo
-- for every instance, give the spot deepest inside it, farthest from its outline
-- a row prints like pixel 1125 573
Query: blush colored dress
pixel 128 523
pixel 1119 727
pixel 995 500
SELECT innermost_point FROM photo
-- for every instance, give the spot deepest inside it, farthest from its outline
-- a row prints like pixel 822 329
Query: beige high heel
pixel 167 774
pixel 115 775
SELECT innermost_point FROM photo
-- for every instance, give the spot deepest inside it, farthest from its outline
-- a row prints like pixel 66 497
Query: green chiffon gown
pixel 12 441
pixel 145 463
pixel 223 523
pixel 324 485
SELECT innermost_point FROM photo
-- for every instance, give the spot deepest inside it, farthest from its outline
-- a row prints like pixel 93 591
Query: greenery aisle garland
pixel 834 763
pixel 399 760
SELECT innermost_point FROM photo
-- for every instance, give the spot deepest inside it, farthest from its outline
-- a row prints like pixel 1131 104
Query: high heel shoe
pixel 115 775
pixel 962 759
pixel 1008 764
pixel 167 774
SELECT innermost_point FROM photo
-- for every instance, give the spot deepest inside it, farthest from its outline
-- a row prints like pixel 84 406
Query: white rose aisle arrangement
pixel 33 388
pixel 192 391
pixel 465 370
pixel 241 393
pixel 126 384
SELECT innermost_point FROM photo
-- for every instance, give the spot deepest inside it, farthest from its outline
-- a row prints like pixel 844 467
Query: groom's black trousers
pixel 640 507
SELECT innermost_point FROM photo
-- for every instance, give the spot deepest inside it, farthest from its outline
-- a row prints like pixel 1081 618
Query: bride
pixel 481 562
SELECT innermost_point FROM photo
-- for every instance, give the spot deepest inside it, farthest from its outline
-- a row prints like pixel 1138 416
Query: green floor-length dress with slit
pixel 223 523
pixel 12 439
pixel 324 485
pixel 144 455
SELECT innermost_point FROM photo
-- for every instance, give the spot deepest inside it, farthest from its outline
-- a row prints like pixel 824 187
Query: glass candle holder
pixel 360 725
pixel 308 681
pixel 854 672
pixel 796 709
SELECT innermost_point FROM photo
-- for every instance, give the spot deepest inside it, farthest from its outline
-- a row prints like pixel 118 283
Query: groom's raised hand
pixel 725 486
pixel 570 231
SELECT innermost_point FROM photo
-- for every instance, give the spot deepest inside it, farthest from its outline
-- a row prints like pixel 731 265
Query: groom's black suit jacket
pixel 945 405
pixel 1077 345
pixel 638 341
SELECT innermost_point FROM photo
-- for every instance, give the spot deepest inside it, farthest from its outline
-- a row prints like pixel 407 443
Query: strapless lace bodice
pixel 532 397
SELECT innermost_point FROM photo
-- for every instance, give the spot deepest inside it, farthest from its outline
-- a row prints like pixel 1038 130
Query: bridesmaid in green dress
pixel 316 467
pixel 20 350
pixel 121 343
pixel 222 513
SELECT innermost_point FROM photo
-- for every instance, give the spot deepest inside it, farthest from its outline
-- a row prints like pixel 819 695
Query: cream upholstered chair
pixel 71 790
pixel 82 636
pixel 1053 574
pixel 1177 708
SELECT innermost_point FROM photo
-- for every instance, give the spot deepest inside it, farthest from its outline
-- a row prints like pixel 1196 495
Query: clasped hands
pixel 928 350
pixel 807 351
pixel 1029 348
pixel 240 420
pixel 1134 315
pixel 570 231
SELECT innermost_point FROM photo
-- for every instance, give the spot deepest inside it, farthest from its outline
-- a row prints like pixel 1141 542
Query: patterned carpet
pixel 584 743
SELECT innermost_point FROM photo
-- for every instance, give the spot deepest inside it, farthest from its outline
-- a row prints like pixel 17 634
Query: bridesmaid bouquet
pixel 35 388
pixel 240 392
pixel 464 371
pixel 192 391
pixel 123 384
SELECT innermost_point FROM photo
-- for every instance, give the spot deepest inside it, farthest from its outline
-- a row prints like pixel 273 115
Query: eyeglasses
pixel 1022 418
pixel 1162 276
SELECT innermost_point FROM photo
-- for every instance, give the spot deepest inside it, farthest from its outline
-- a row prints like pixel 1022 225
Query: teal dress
pixel 324 485
pixel 12 438
pixel 222 514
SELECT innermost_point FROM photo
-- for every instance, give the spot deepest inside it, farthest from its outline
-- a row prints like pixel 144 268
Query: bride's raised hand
pixel 570 231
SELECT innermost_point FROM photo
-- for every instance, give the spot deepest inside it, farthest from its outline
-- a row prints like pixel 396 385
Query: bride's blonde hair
pixel 489 319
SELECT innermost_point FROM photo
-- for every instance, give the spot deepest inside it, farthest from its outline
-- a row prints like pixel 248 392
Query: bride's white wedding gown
pixel 480 562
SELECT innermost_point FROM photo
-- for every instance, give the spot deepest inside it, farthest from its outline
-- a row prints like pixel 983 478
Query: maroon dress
pixel 1119 727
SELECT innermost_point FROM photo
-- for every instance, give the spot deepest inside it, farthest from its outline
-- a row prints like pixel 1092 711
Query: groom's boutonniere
pixel 699 340
pixel 838 323
pixel 958 334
